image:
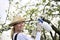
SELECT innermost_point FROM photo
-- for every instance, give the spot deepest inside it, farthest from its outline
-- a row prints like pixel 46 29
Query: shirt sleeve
pixel 38 36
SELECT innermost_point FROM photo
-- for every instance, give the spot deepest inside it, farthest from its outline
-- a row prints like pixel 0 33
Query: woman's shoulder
pixel 21 34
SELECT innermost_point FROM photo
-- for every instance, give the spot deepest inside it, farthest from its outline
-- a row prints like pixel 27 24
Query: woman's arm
pixel 38 35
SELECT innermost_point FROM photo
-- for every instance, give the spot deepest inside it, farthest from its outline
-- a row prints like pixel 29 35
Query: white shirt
pixel 22 36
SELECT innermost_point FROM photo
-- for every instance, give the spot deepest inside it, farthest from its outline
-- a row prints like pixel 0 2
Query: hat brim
pixel 14 23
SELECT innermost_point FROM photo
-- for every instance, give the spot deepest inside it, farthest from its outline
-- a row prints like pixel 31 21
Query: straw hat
pixel 16 20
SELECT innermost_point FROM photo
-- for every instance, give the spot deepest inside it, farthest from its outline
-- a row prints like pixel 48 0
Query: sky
pixel 4 4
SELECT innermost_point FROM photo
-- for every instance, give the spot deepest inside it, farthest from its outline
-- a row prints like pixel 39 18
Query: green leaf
pixel 10 0
pixel 17 3
pixel 44 0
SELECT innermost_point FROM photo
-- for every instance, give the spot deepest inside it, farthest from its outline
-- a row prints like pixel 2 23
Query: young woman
pixel 17 30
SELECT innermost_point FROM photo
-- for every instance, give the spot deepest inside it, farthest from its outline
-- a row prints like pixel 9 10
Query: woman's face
pixel 19 26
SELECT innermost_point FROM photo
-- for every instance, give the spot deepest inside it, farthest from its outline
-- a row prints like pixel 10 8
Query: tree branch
pixel 53 27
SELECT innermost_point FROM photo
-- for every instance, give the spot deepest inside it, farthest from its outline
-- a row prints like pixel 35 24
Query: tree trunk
pixel 55 36
pixel 59 37
pixel 44 34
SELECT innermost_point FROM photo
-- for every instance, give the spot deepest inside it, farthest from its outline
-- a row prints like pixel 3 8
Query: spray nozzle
pixel 40 20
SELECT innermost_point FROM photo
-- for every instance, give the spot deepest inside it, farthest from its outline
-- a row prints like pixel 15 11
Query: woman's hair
pixel 12 32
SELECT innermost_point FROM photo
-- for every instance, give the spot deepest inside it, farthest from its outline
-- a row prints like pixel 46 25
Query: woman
pixel 17 30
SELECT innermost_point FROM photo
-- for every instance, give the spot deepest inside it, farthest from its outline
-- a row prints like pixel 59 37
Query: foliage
pixel 31 11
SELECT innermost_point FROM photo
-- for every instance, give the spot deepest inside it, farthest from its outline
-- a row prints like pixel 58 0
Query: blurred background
pixel 31 10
